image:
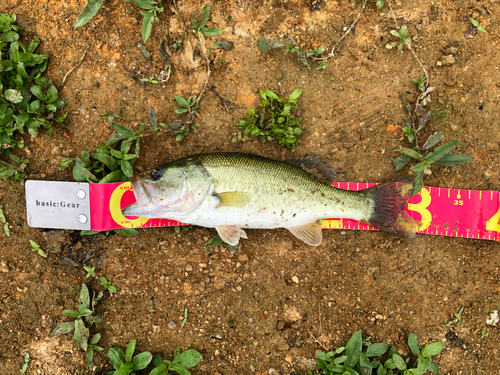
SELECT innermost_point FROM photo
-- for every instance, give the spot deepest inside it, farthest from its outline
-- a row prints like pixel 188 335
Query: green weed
pixel 362 357
pixel 107 284
pixel 28 101
pixel 26 362
pixel 188 105
pixel 184 321
pixel 90 271
pixel 181 363
pixel 420 82
pixel 36 248
pixel 83 320
pixel 403 39
pixel 150 13
pixel 199 23
pixel 458 317
pixel 477 25
pixel 276 120
pixel 128 363
pixel 217 241
pixel 151 79
pixel 4 221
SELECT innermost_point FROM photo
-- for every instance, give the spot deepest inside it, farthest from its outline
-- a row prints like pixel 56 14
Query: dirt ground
pixel 270 306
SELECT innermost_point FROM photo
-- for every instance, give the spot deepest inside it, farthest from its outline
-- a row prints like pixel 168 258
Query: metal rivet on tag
pixel 82 219
pixel 81 194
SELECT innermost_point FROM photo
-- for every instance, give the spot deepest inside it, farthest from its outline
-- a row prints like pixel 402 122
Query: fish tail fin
pixel 388 213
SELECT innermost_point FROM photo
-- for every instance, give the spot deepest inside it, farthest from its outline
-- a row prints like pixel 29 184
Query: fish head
pixel 172 187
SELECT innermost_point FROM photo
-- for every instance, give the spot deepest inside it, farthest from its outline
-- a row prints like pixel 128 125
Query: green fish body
pixel 232 191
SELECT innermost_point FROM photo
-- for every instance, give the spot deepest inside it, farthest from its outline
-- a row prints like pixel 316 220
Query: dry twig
pixel 71 70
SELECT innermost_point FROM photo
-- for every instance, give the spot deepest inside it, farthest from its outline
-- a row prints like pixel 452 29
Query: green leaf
pixel 353 349
pixel 364 361
pixel 183 102
pixel 9 36
pixel 63 328
pixel 211 32
pixel 263 44
pixel 127 232
pixel 129 352
pixel 144 4
pixel 13 96
pixel 181 110
pixel 51 94
pixel 42 253
pixel 433 367
pixel 379 4
pixel 84 298
pixel 115 358
pixel 200 21
pixel 107 160
pixel 413 344
pixel 450 160
pixel 81 334
pixel 424 120
pixel 95 339
pixel 423 364
pixel 418 183
pixel 179 369
pixel 81 173
pixel 85 312
pixel 395 33
pixel 442 150
pixel 90 11
pixel 399 362
pixel 141 361
pixel 73 313
pixel 376 349
pixel 433 140
pixel 147 24
pixel 111 177
pixel 127 168
pixel 122 130
pixel 432 349
pixel 189 358
pixel 124 369
pixel 401 161
pixel 295 94
pixel 480 28
pixel 216 241
pixel 89 356
pixel 408 151
pixel 474 22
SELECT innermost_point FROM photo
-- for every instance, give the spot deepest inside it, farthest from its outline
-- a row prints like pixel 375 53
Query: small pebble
pixel 171 325
pixel 295 279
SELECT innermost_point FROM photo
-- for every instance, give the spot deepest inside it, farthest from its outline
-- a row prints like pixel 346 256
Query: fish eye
pixel 156 174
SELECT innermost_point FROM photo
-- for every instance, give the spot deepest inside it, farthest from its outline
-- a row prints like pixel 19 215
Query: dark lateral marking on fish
pixel 290 190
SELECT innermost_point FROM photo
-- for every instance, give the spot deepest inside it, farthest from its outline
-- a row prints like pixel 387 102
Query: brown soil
pixel 257 311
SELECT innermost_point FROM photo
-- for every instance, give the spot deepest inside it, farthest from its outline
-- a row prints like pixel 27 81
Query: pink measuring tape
pixel 444 212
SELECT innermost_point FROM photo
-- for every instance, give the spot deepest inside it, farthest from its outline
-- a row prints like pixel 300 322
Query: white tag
pixel 59 205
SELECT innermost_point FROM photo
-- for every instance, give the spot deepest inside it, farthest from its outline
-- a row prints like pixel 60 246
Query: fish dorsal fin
pixel 231 234
pixel 315 166
pixel 309 233
pixel 233 198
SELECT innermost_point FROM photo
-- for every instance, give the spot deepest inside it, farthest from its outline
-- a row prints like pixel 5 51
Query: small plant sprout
pixel 184 321
pixel 420 82
pixel 26 362
pixel 363 357
pixel 181 363
pixel 5 223
pixel 36 248
pixel 290 48
pixel 107 284
pixel 127 363
pixel 458 317
pixel 276 120
pixel 477 25
pixel 90 271
pixel 177 45
pixel 379 4
pixel 403 39
pixel 151 79
pixel 83 320
pixel 187 105
pixel 89 354
pixel 199 23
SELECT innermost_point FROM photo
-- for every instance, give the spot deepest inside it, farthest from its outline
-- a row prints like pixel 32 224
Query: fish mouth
pixel 144 192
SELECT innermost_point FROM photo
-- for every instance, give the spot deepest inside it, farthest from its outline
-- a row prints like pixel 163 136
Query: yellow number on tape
pixel 492 224
pixel 421 208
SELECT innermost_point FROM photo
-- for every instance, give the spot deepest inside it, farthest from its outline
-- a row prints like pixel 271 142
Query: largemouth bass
pixel 232 191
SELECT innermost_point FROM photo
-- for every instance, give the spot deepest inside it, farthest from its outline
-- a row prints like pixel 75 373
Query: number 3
pixel 421 208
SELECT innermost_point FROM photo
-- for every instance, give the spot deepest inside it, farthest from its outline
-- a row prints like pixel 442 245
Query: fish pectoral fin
pixel 231 234
pixel 309 233
pixel 232 198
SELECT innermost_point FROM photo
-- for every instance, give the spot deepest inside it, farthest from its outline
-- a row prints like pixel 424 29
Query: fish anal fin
pixel 231 234
pixel 309 233
pixel 233 198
